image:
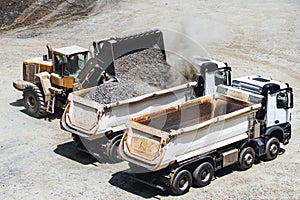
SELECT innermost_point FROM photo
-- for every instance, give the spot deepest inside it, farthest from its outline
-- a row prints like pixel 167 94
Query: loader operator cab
pixel 212 74
pixel 69 60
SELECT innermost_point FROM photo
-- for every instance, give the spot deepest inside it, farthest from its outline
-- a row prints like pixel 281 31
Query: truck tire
pixel 181 182
pixel 34 101
pixel 246 158
pixel 203 174
pixel 112 150
pixel 272 149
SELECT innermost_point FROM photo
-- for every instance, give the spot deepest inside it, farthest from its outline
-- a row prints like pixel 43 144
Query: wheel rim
pixel 273 149
pixel 248 159
pixel 31 101
pixel 113 152
pixel 205 175
pixel 183 183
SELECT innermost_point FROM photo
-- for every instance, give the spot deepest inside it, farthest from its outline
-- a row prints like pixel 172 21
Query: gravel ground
pixel 39 161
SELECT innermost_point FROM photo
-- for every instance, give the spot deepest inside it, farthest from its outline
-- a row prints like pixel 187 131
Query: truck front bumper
pixel 287 133
pixel 286 138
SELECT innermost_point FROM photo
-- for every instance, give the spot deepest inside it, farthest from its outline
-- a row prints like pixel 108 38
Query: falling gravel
pixel 138 73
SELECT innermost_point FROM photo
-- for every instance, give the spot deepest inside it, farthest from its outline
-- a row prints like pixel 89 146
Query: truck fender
pixel 244 145
pixel 274 131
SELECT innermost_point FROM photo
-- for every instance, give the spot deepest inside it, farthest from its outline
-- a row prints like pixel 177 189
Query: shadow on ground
pixel 128 184
pixel 49 117
pixel 125 181
pixel 70 151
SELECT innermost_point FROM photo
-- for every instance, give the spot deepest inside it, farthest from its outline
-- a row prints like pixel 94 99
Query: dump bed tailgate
pixel 82 115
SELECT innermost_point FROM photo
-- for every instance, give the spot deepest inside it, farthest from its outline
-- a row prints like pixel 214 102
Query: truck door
pixel 278 108
pixel 215 78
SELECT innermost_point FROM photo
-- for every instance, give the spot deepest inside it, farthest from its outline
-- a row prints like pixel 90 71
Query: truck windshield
pixel 75 64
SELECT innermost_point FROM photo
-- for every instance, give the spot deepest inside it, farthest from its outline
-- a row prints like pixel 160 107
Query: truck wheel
pixel 272 149
pixel 203 174
pixel 34 101
pixel 112 150
pixel 246 158
pixel 181 183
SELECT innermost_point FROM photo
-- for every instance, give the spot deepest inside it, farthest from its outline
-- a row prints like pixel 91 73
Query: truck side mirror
pixel 290 99
pixel 220 78
pixel 282 100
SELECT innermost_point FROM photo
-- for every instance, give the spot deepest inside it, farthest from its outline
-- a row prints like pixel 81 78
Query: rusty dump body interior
pixel 180 132
pixel 191 113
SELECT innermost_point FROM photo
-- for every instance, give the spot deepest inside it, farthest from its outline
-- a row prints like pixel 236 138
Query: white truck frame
pixel 98 128
pixel 185 144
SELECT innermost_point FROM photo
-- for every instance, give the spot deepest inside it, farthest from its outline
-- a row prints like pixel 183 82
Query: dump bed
pixel 87 118
pixel 184 131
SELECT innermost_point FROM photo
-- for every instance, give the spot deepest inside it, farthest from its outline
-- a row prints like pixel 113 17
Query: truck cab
pixel 212 74
pixel 275 114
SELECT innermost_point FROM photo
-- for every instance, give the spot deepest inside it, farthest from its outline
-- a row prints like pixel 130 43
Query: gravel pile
pixel 138 73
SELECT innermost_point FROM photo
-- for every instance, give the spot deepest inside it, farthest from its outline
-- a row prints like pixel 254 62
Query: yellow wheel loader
pixel 48 80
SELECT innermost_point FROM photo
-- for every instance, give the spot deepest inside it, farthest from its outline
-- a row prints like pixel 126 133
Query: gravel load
pixel 139 73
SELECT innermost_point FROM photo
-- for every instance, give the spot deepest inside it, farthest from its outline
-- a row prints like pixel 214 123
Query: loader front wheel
pixel 34 101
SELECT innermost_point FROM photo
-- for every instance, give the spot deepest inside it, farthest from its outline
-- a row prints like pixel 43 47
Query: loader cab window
pixel 75 64
pixel 58 64
pixel 221 78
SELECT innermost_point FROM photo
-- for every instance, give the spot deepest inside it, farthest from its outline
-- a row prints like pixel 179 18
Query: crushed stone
pixel 139 73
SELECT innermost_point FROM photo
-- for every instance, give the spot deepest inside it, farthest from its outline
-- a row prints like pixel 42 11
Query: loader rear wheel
pixel 34 101
pixel 181 182
pixel 203 174
pixel 246 158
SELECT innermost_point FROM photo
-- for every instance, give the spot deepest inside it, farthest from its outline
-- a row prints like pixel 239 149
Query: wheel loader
pixel 48 80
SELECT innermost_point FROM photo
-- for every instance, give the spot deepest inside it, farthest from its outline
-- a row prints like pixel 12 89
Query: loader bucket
pixel 107 51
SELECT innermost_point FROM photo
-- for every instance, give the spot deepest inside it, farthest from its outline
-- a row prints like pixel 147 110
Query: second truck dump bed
pixel 180 132
pixel 88 118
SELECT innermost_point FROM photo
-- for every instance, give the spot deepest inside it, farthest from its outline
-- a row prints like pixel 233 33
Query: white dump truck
pixel 98 128
pixel 185 144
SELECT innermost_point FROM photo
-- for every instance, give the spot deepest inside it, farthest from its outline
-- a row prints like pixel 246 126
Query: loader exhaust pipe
pixel 49 47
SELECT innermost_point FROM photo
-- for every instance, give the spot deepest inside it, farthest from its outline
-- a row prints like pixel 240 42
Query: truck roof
pixel 201 60
pixel 255 83
pixel 70 50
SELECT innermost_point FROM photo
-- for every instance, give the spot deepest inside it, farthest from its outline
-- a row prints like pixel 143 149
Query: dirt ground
pixel 38 159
